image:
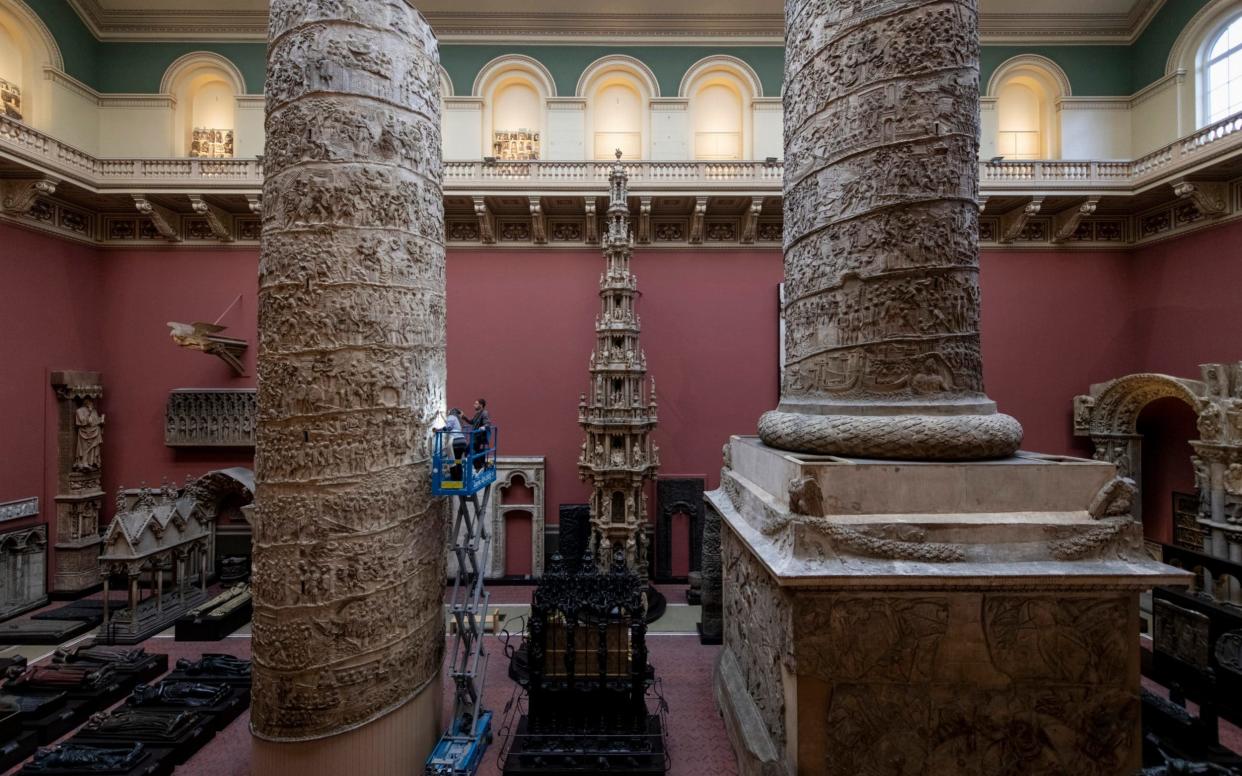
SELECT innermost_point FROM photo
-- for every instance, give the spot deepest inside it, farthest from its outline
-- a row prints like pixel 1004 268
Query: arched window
pixel 1026 90
pixel 515 90
pixel 721 90
pixel 618 91
pixel 26 48
pixel 206 87
pixel 1222 73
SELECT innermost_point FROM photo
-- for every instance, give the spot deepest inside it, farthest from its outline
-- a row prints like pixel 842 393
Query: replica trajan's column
pixel 349 544
pixel 881 223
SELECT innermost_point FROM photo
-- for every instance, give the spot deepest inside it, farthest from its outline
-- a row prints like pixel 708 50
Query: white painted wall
pixel 670 130
pixel 462 127
pixel 566 132
pixel 248 115
pixel 1094 128
pixel 73 115
pixel 1155 116
pixel 768 121
pixel 141 127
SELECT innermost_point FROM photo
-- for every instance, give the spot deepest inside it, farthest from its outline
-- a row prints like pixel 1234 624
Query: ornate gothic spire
pixel 618 415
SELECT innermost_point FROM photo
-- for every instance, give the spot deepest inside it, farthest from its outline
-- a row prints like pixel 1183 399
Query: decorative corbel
pixel 487 222
pixel 750 222
pixel 18 196
pixel 255 201
pixel 1209 197
pixel 1065 224
pixel 1013 222
pixel 592 222
pixel 538 222
pixel 644 220
pixel 698 221
pixel 217 219
pixel 164 220
pixel 983 204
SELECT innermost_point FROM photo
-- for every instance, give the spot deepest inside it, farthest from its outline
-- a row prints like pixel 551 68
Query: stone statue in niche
pixel 89 423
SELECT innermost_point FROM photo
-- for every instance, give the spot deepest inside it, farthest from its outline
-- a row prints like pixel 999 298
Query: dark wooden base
pixel 578 753
pixel 709 639
pixel 42 631
pixel 181 749
pixel 209 627
pixel 154 762
pixel 17 749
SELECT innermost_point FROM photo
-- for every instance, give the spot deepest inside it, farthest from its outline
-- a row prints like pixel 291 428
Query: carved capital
pixel 18 196
pixel 1065 223
pixel 1209 198
pixel 698 221
pixel 164 220
pixel 538 222
pixel 217 219
pixel 750 222
pixel 1013 222
pixel 487 222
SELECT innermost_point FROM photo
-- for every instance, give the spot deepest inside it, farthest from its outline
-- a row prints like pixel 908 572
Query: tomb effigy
pixel 618 458
pixel 348 565
pixel 216 618
pixel 903 591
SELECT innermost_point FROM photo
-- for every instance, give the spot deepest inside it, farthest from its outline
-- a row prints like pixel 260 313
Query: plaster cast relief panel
pixel 348 555
pixel 13 510
pixel 23 574
pixel 209 418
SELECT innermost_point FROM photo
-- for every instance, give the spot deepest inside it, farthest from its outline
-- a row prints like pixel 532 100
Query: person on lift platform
pixel 458 438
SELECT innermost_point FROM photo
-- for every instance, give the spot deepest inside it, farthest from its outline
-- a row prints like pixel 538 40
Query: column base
pixel 396 744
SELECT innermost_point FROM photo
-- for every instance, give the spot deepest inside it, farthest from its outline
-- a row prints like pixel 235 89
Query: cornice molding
pixel 1093 103
pixel 584 27
pixel 110 99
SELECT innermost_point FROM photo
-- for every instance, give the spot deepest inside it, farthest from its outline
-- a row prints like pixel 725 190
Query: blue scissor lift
pixel 461 748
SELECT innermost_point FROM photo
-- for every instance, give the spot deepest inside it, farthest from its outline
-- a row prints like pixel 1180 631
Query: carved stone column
pixel 348 542
pixel 79 467
pixel 881 223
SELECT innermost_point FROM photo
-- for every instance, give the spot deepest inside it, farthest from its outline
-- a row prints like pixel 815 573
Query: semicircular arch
pixel 1116 409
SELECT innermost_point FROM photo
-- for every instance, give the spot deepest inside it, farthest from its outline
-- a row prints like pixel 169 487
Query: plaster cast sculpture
pixel 881 226
pixel 206 337
pixel 79 469
pixel 348 542
pixel 89 424
pixel 617 458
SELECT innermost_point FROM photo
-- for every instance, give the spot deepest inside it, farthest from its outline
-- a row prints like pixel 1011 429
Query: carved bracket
pixel 1013 222
pixel 1209 198
pixel 1065 223
pixel 164 220
pixel 18 196
pixel 750 222
pixel 487 222
pixel 592 222
pixel 217 219
pixel 538 222
pixel 644 220
pixel 698 221
pixel 255 201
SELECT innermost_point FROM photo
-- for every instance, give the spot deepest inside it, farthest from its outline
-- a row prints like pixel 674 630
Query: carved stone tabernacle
pixel 348 542
pixel 23 560
pixel 881 226
pixel 618 458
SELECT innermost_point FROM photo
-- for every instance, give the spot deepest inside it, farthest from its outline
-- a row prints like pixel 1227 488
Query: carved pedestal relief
pixel 348 553
pixel 79 497
pixel 23 570
pixel 1108 415
pixel 881 229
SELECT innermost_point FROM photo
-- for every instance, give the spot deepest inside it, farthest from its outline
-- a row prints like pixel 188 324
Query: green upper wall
pixel 566 63
pixel 1093 70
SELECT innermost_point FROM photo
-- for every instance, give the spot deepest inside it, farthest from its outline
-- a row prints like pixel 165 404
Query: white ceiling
pixel 1009 20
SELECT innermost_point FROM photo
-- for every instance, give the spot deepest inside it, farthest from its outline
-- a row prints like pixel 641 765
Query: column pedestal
pixel 929 618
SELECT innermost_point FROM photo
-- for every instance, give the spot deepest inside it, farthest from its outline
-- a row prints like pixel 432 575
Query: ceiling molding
pixel 158 20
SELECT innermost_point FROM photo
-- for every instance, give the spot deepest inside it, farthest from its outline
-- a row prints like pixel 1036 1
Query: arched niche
pixel 515 90
pixel 205 86
pixel 27 47
pixel 618 91
pixel 1191 53
pixel 1026 90
pixel 721 91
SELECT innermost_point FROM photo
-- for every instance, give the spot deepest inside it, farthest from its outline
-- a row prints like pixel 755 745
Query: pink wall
pixel 521 329
pixel 49 321
pixel 1167 426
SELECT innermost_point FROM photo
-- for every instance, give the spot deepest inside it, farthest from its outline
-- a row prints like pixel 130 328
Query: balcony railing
pixel 46 154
